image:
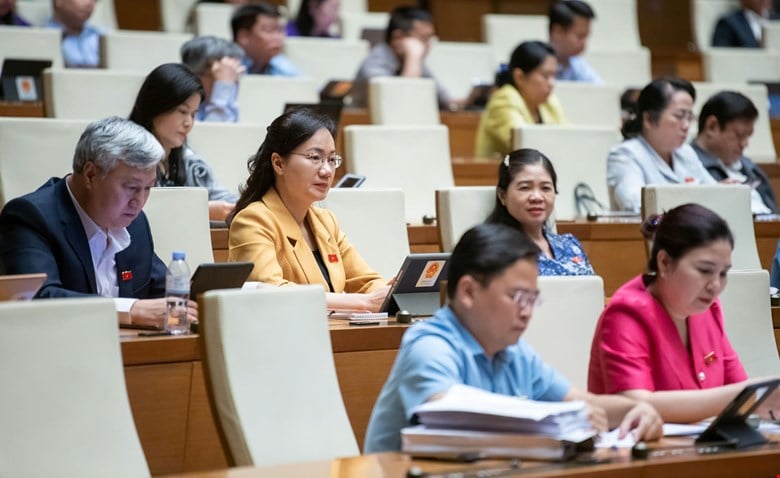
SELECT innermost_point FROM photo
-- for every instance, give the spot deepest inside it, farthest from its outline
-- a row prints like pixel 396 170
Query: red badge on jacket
pixel 333 258
pixel 127 275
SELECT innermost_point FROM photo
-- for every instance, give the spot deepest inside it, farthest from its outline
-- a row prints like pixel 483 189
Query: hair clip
pixel 657 220
pixel 506 161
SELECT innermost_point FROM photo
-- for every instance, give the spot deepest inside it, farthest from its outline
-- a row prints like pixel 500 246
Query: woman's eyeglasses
pixel 317 159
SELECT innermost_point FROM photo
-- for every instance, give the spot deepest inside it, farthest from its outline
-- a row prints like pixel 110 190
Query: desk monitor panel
pixel 20 286
pixel 416 288
pixel 220 275
pixel 20 79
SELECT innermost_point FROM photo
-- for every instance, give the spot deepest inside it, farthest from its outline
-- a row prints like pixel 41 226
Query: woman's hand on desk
pixel 376 298
pixel 153 311
pixel 644 420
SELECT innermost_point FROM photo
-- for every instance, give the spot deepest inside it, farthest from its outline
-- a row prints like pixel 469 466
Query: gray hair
pixel 107 141
pixel 200 52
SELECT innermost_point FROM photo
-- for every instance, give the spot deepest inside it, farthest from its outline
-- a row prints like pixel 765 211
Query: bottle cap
pixel 178 255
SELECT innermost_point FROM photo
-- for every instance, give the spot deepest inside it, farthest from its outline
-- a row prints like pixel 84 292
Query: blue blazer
pixel 42 232
pixel 733 30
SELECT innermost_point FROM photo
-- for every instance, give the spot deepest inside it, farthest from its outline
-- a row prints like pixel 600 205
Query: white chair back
pixel 395 100
pixel 761 147
pixel 261 98
pixel 731 202
pixel 503 32
pixel 573 304
pixel 179 220
pixel 266 406
pixel 616 26
pixel 580 151
pixel 458 66
pixel 704 16
pixel 622 68
pixel 31 43
pixel 771 35
pixel 65 395
pixel 413 158
pixel 354 6
pixel 142 51
pixel 740 65
pixel 578 98
pixel 324 59
pixel 174 14
pixel 460 208
pixel 747 315
pixel 374 222
pixel 227 147
pixel 34 149
pixel 214 19
pixel 90 94
pixel 353 23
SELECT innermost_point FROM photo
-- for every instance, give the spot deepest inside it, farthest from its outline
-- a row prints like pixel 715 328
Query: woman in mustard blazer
pixel 276 226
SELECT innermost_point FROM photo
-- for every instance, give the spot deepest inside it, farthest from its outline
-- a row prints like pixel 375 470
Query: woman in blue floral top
pixel 525 197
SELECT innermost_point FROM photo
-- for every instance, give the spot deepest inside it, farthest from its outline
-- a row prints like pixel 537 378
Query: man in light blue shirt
pixel 80 41
pixel 217 62
pixel 258 28
pixel 569 30
pixel 492 289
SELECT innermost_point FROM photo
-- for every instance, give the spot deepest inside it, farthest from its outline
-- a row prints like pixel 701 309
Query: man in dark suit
pixel 742 28
pixel 87 231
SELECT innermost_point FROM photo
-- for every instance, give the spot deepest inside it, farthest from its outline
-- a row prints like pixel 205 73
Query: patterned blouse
pixel 568 257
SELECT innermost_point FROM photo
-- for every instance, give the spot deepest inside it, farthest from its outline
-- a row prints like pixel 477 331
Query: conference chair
pixel 72 93
pixel 32 150
pixel 747 316
pixel 578 99
pixel 174 14
pixel 622 68
pixel 394 100
pixel 705 14
pixel 377 228
pixel 142 51
pixel 740 65
pixel 771 35
pixel 460 208
pixel 761 147
pixel 64 408
pixel 413 158
pixel 261 98
pixel 446 61
pixel 572 304
pixel 31 43
pixel 731 202
pixel 179 220
pixel 503 32
pixel 579 155
pixel 325 59
pixel 616 26
pixel 39 12
pixel 271 376
pixel 227 147
pixel 353 23
pixel 214 19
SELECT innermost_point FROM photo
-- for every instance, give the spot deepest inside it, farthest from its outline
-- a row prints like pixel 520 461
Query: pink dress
pixel 636 346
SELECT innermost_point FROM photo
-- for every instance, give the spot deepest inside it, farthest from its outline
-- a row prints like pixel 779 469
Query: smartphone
pixel 350 180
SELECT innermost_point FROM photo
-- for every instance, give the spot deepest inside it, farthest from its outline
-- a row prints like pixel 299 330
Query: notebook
pixel 20 286
pixel 416 288
pixel 20 79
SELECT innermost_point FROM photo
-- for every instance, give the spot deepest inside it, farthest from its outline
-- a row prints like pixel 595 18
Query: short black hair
pixel 653 100
pixel 727 106
pixel 244 18
pixel 527 56
pixel 403 18
pixel 487 250
pixel 563 12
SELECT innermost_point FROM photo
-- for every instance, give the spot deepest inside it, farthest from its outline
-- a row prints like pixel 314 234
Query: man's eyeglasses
pixel 318 159
pixel 526 298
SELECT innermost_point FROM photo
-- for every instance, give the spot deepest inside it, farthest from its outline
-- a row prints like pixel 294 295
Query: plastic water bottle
pixel 177 293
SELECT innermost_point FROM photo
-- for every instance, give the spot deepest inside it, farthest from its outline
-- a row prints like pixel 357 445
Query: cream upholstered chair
pixel 580 151
pixel 274 406
pixel 771 35
pixel 64 408
pixel 90 94
pixel 731 202
pixel 761 147
pixel 740 65
pixel 578 98
pixel 374 222
pixel 413 158
pixel 704 15
pixel 227 147
pixel 174 14
pixel 31 43
pixel 395 100
pixel 503 32
pixel 446 61
pixel 573 304
pixel 353 23
pixel 143 51
pixel 179 220
pixel 261 98
pixel 616 26
pixel 622 68
pixel 748 318
pixel 460 208
pixel 34 149
pixel 214 19
pixel 324 59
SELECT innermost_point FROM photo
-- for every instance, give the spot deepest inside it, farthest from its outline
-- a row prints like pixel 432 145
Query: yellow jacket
pixel 266 233
pixel 505 110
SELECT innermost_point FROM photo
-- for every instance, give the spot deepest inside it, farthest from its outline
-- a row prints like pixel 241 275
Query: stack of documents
pixel 469 420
